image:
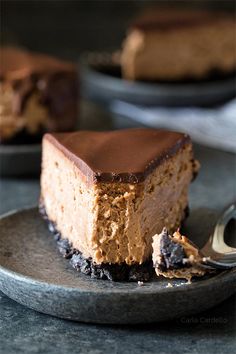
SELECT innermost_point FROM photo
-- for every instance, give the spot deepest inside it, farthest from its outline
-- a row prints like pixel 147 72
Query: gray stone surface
pixel 24 331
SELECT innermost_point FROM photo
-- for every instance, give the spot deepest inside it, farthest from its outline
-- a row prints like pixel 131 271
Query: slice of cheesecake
pixel 108 193
pixel 38 94
pixel 179 44
pixel 176 256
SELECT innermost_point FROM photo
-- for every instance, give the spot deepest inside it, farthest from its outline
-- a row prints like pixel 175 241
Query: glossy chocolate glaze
pixel 126 156
pixel 173 19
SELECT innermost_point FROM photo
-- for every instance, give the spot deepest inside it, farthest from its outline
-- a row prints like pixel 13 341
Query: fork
pixel 216 253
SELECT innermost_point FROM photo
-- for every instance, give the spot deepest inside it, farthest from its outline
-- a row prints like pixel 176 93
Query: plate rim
pixel 177 89
pixel 20 149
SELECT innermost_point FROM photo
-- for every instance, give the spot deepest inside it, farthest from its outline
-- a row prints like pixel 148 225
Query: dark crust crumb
pixel 172 253
pixel 115 272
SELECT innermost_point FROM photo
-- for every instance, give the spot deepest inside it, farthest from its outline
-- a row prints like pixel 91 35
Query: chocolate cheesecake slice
pixel 179 44
pixel 108 193
pixel 39 93
pixel 176 256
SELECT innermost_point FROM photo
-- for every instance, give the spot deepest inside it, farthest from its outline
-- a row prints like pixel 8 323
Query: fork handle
pixel 218 243
pixel 217 253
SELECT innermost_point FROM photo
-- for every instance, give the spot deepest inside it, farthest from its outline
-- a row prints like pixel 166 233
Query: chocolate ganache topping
pixel 174 19
pixel 126 156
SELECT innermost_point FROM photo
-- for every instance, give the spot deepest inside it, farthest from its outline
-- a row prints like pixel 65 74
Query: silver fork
pixel 216 253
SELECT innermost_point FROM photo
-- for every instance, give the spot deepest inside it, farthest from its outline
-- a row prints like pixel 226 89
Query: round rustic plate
pixel 33 273
pixel 20 160
pixel 102 82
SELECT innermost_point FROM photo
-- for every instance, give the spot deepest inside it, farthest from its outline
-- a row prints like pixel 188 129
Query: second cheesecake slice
pixel 108 193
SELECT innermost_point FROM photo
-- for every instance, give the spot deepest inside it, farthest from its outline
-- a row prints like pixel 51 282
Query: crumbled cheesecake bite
pixel 176 256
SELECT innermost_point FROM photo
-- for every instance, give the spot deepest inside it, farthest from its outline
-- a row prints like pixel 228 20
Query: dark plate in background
pixel 20 160
pixel 102 82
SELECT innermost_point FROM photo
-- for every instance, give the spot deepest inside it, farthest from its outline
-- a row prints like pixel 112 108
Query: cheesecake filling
pixel 113 223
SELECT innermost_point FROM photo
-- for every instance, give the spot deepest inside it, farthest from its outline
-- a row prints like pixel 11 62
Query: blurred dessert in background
pixel 174 44
pixel 39 93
